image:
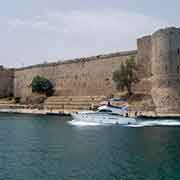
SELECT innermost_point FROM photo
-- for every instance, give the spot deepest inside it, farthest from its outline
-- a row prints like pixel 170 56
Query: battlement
pixel 83 59
pixel 168 31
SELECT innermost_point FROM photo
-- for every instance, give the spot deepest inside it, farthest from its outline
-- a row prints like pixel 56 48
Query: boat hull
pixel 101 118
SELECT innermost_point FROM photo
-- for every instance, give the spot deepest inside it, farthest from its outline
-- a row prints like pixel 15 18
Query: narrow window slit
pixel 178 69
pixel 178 51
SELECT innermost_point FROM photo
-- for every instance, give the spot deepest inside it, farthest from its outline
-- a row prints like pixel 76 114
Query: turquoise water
pixel 47 148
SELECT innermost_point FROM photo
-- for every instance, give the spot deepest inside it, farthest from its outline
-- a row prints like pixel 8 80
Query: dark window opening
pixel 178 69
pixel 178 51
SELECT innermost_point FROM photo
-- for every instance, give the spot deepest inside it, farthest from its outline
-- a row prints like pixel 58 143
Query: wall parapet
pixel 83 59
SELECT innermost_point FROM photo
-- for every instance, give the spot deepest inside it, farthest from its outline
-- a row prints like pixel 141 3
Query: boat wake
pixel 138 124
pixel 155 123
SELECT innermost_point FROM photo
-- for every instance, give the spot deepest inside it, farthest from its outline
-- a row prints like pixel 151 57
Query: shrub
pixel 125 76
pixel 42 85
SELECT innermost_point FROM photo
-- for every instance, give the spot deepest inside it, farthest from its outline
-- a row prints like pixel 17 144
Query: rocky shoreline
pixel 34 111
pixel 132 114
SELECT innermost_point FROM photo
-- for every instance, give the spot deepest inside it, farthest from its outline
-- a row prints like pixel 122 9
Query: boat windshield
pixel 105 111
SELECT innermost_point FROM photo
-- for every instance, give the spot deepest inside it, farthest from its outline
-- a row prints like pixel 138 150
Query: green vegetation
pixel 125 76
pixel 42 85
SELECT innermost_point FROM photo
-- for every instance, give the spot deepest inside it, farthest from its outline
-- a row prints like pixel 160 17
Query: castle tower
pixel 166 70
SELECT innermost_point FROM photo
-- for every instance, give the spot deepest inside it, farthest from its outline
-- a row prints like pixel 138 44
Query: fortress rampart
pixel 166 70
pixel 158 61
pixel 85 76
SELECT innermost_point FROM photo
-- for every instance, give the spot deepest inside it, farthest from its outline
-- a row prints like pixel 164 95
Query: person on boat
pixel 109 103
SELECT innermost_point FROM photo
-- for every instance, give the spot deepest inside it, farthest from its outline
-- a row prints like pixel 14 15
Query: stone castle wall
pixel 6 82
pixel 144 45
pixel 166 70
pixel 85 76
pixel 158 62
pixel 144 56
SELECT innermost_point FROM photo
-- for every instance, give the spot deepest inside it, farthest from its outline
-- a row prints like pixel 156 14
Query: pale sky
pixel 37 31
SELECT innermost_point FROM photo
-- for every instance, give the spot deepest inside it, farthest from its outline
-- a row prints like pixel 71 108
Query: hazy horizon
pixel 47 31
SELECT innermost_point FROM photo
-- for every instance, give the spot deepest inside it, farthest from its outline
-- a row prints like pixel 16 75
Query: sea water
pixel 50 148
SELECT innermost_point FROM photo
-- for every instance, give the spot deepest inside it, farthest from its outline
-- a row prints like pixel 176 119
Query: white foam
pixel 135 125
pixel 83 123
pixel 155 123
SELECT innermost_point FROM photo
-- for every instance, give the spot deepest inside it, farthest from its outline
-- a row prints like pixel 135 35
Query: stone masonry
pixel 6 82
pixel 81 77
pixel 166 70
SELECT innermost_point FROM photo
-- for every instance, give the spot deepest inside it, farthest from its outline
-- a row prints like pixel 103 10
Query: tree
pixel 42 85
pixel 125 76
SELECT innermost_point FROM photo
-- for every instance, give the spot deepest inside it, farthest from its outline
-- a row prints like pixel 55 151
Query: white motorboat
pixel 106 114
